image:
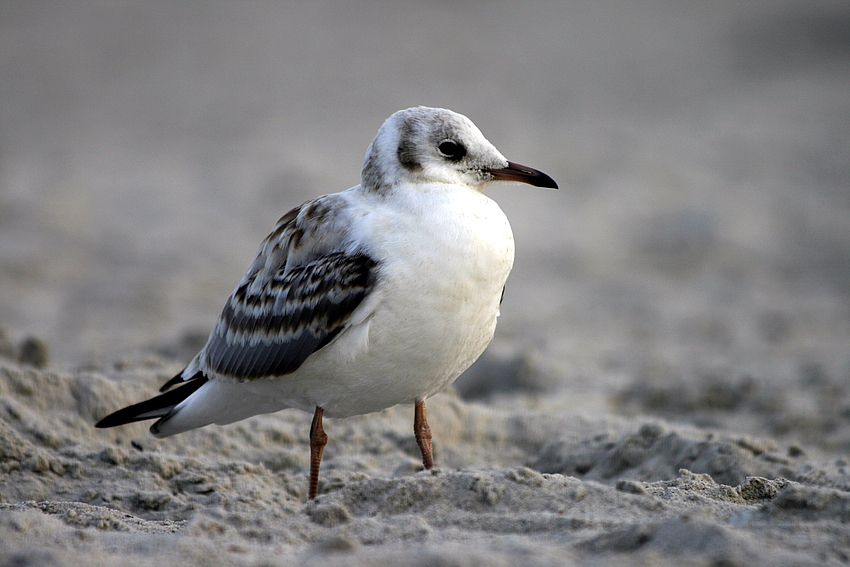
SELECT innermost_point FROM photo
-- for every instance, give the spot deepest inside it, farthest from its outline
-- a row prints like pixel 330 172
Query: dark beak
pixel 522 174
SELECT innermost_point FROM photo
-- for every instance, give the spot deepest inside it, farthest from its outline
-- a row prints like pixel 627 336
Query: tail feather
pixel 156 407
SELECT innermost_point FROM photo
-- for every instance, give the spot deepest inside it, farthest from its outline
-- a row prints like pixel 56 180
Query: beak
pixel 522 174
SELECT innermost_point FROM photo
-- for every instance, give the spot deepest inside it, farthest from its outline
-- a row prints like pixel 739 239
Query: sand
pixel 670 379
pixel 514 486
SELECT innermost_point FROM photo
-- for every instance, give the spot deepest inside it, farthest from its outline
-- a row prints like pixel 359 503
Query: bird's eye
pixel 452 150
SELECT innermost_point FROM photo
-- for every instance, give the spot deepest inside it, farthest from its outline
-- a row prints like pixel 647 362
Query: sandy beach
pixel 670 379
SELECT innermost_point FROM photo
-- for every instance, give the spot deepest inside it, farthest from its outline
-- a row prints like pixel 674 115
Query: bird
pixel 357 301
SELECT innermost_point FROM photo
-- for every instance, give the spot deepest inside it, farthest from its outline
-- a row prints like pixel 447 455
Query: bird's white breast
pixel 445 254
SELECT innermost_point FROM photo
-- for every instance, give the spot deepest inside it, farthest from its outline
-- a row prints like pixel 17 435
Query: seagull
pixel 357 301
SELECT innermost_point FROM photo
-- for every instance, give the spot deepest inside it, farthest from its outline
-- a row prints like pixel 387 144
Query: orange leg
pixel 423 434
pixel 318 440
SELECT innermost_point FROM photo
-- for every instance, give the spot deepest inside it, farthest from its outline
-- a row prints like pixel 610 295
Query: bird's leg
pixel 423 434
pixel 318 440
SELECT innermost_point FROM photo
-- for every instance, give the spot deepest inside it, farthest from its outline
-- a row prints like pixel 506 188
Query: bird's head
pixel 435 145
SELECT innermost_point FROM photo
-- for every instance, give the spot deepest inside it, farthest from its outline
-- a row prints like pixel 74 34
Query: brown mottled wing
pixel 298 295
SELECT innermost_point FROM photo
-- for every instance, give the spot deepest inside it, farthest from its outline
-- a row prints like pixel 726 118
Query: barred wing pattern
pixel 297 296
pixel 272 330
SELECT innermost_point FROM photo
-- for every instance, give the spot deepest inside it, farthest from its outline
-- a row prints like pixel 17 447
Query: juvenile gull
pixel 360 300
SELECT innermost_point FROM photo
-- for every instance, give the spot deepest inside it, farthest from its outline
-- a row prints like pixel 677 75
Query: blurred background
pixel 702 229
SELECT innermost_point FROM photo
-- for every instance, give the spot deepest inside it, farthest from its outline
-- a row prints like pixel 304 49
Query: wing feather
pixel 299 293
pixel 259 335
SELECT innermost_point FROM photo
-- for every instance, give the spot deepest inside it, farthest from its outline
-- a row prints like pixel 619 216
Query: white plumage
pixel 361 300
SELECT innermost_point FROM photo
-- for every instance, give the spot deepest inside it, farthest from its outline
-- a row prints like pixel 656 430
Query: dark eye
pixel 452 150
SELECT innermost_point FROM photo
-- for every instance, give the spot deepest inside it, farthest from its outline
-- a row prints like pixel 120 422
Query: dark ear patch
pixel 406 152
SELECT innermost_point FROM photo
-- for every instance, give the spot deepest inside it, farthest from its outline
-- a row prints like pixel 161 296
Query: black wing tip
pixel 117 418
pixel 130 414
pixel 153 408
